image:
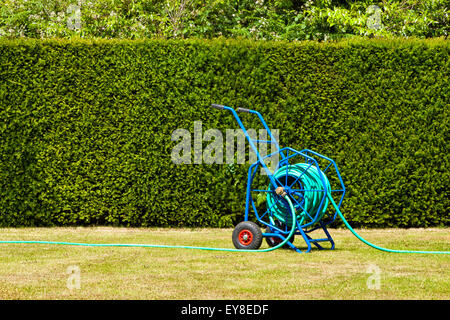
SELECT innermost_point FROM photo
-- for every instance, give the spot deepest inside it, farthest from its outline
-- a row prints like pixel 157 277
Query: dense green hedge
pixel 85 127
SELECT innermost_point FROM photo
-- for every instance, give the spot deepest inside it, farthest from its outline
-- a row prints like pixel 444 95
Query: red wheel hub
pixel 245 237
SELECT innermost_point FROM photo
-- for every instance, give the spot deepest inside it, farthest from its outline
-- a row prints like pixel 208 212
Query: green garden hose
pixel 312 180
pixel 372 245
pixel 309 177
pixel 293 224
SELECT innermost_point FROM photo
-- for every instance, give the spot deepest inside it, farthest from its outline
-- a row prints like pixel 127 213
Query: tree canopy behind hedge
pixel 261 19
pixel 86 127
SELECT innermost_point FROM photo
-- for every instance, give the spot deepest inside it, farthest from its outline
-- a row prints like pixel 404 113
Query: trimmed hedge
pixel 85 127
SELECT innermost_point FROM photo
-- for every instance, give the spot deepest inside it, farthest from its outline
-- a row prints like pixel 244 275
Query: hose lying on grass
pixel 281 244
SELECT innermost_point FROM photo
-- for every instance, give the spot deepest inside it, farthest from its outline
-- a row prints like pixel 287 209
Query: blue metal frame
pixel 310 157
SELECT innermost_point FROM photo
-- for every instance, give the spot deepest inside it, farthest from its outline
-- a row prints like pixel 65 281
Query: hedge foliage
pixel 86 127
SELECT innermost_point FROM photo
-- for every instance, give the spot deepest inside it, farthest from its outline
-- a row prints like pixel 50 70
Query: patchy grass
pixel 37 271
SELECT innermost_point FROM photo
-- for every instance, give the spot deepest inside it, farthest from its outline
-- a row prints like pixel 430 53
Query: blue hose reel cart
pixel 306 177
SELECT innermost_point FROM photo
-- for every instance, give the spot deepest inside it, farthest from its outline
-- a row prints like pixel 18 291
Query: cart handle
pixel 234 112
pixel 244 110
pixel 218 106
pixel 249 139
pixel 272 138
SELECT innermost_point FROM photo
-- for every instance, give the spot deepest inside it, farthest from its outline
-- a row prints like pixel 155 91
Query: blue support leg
pixel 251 174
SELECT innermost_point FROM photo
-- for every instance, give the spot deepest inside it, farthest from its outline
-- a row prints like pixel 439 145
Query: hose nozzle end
pixel 280 191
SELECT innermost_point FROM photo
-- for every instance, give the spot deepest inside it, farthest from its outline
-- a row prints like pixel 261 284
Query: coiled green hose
pixel 311 183
pixel 306 177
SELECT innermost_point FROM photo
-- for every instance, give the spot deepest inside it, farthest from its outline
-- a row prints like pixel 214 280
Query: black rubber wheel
pixel 247 235
pixel 274 241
